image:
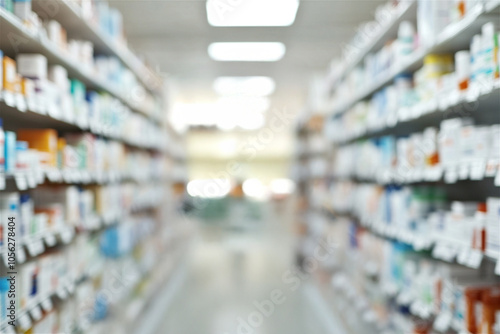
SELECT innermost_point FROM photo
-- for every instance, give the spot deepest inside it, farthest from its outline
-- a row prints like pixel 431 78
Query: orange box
pixel 43 140
pixel 9 74
pixel 27 87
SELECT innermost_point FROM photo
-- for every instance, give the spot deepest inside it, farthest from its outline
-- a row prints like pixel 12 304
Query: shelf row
pixel 43 305
pixel 424 216
pixel 33 42
pixel 481 103
pixel 130 129
pixel 83 23
pixel 386 27
pixel 455 36
pixel 381 285
pixel 30 179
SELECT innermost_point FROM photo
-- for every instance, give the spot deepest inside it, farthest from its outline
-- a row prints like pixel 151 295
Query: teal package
pixel 10 151
pixel 4 288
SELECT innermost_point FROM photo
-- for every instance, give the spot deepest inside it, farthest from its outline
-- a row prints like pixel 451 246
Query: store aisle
pixel 229 273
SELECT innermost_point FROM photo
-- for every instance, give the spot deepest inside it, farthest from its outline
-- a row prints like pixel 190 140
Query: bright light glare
pixel 241 51
pixel 209 188
pixel 282 186
pixel 254 188
pixel 251 121
pixel 251 13
pixel 247 86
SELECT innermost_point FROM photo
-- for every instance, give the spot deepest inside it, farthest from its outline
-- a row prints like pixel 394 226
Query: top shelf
pixel 15 38
pixel 454 37
pixel 407 11
pixel 70 16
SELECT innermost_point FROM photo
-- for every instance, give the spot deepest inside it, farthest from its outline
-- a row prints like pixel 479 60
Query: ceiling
pixel 174 35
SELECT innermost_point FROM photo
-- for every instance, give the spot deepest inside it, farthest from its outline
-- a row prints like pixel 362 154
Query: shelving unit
pixel 145 223
pixel 400 265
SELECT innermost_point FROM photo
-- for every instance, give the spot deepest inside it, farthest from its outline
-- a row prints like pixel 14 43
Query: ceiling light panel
pixel 242 51
pixel 251 13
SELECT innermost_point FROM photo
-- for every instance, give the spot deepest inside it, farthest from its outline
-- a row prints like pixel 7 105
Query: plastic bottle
pixel 406 38
pixel 488 50
pixel 479 234
pixel 462 69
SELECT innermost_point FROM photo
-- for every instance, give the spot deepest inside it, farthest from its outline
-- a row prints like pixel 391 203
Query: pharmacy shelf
pixel 17 38
pixel 441 247
pixel 70 16
pixel 130 313
pixel 33 312
pixel 472 171
pixel 31 179
pixel 17 112
pixel 455 37
pixel 406 11
pixel 430 113
pixel 34 246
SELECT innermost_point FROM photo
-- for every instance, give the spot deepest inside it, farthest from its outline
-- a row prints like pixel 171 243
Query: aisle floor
pixel 228 272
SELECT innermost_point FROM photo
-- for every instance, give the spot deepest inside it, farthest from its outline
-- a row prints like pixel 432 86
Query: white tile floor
pixel 227 273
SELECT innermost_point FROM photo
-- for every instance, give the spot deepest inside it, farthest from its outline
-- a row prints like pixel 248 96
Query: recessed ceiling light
pixel 251 13
pixel 247 86
pixel 241 51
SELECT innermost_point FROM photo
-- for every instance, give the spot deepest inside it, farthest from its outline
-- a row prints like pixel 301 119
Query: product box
pixel 10 151
pixel 32 66
pixel 9 74
pixel 66 196
pixel 59 76
pixel 22 9
pixel 493 226
pixel 43 140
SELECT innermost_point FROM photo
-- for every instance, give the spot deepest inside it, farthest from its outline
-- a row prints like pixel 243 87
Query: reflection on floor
pixel 242 281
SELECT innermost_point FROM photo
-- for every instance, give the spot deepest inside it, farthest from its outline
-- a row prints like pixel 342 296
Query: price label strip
pixel 36 313
pixel 20 255
pixel 451 176
pixel 47 305
pixel 475 259
pixel 24 322
pixel 50 239
pixel 21 182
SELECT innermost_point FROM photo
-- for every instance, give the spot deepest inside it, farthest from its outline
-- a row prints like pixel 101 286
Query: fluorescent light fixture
pixel 246 86
pixel 243 51
pixel 251 13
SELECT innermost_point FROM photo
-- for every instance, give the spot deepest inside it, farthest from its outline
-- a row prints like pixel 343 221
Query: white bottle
pixel 475 52
pixel 406 35
pixel 462 69
pixel 487 52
